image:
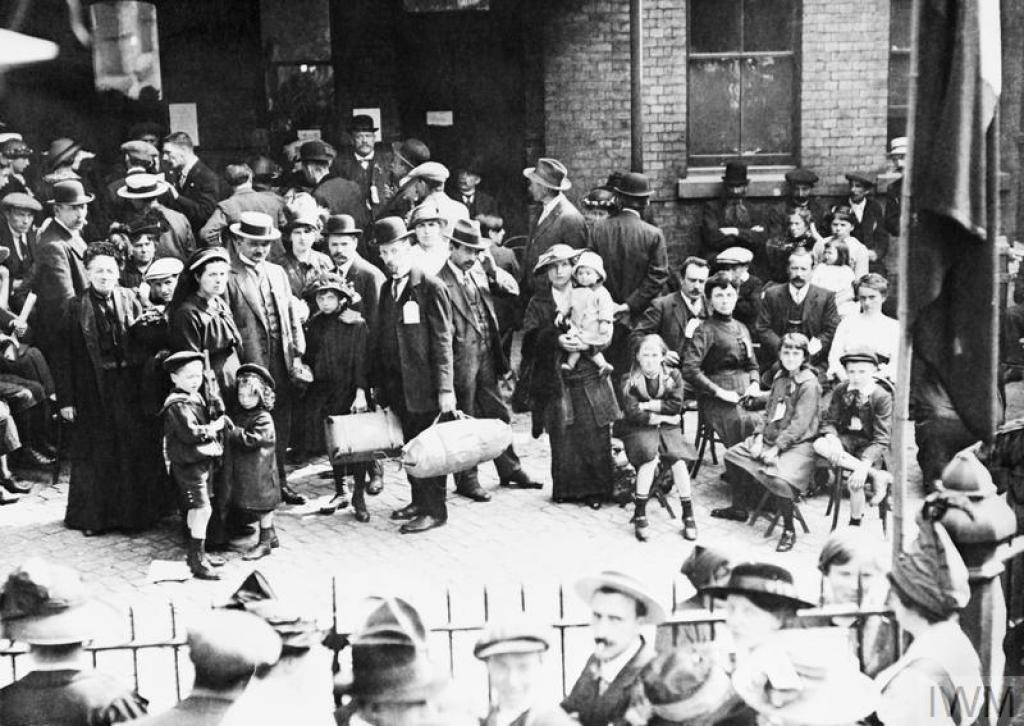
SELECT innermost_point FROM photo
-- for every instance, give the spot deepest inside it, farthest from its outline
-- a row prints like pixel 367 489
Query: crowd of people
pixel 772 659
pixel 192 340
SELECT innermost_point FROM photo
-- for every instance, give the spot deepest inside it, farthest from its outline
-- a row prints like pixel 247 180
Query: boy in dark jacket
pixel 193 449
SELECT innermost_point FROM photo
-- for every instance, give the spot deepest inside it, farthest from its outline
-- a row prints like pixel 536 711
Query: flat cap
pixel 735 256
pixel 164 267
pixel 230 645
pixel 176 360
pixel 316 150
pixel 859 354
pixel 860 178
pixel 801 176
pixel 139 149
pixel 429 170
pixel 511 635
pixel 20 200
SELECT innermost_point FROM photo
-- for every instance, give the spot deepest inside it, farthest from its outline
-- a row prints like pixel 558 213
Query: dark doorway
pixel 471 64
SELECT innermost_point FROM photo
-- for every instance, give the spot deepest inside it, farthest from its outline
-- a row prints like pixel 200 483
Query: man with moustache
pixel 620 606
pixel 411 348
pixel 675 316
pixel 730 221
pixel 797 307
pixel 369 170
pixel 342 245
pixel 479 203
pixel 473 280
pixel 268 320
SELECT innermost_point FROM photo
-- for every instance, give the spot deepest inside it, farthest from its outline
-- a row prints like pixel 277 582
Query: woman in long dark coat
pixel 576 407
pixel 118 480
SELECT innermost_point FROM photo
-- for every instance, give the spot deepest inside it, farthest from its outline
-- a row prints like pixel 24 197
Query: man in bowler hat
pixel 370 170
pixel 730 221
pixel 412 347
pixel 620 607
pixel 473 280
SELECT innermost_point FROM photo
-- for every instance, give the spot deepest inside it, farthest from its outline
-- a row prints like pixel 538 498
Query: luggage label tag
pixel 691 327
pixel 780 411
pixel 411 313
pixel 855 424
pixel 374 195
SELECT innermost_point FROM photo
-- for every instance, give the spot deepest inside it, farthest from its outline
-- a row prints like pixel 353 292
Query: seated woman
pixel 843 222
pixel 855 431
pixel 833 272
pixel 800 234
pixel 868 327
pixel 853 570
pixel 781 457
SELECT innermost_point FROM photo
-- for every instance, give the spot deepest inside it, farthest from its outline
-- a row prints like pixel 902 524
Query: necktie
pixel 364 163
pixel 397 284
pixel 602 685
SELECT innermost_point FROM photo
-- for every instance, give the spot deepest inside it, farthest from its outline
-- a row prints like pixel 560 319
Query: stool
pixel 773 519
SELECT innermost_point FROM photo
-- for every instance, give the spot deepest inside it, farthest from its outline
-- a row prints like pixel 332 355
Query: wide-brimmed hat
pixel 342 224
pixel 337 284
pixel 806 676
pixel 589 258
pixel 70 191
pixel 431 171
pixel 734 256
pixel 151 224
pixel 759 578
pixel 859 354
pixel 411 152
pixel 21 200
pixel 599 198
pixel 61 151
pixel 143 186
pixel 362 122
pixel 15 149
pixel 47 604
pixel 316 150
pixel 176 360
pixel 390 661
pixel 684 685
pixel 550 173
pixel 297 631
pixel 391 229
pixel 164 267
pixel 226 646
pixel 206 255
pixel 801 176
pixel 255 225
pixel 555 253
pixel 735 173
pixel 860 178
pixel 140 150
pixel 626 585
pixel 517 634
pixel 467 234
pixel 257 370
pixel 633 184
pixel 428 212
pixel 304 218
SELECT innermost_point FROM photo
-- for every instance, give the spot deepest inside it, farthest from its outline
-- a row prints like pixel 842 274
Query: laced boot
pixel 263 547
pixel 196 560
pixel 640 523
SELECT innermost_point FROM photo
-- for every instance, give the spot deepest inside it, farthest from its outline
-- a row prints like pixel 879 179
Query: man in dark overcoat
pixel 479 360
pixel 366 166
pixel 731 221
pixel 336 195
pixel 870 217
pixel 635 259
pixel 796 307
pixel 244 198
pixel 412 372
pixel 18 234
pixel 267 316
pixel 194 187
pixel 674 316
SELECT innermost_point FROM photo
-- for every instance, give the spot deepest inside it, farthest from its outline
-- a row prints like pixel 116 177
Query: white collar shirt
pixel 798 294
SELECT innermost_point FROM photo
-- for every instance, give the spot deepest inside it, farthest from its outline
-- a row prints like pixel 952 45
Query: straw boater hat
pixel 518 634
pixel 759 578
pixel 555 253
pixel 686 685
pixel 550 173
pixel 143 186
pixel 626 585
pixel 390 662
pixel 255 225
pixel 806 676
pixel 47 604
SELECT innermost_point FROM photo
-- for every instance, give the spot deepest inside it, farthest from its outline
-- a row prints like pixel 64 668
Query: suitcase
pixel 361 437
pixel 453 446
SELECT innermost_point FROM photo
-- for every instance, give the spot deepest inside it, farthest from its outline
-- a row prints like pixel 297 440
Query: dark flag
pixel 951 277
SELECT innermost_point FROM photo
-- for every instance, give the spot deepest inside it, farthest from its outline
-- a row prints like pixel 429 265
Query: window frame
pixel 897 112
pixel 785 160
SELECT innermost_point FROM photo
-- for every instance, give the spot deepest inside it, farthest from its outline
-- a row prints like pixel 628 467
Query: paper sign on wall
pixel 183 117
pixel 308 134
pixel 440 118
pixel 373 113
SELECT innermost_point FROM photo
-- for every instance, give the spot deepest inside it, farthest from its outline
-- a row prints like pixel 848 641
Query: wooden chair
pixel 703 438
pixel 773 517
pixel 835 500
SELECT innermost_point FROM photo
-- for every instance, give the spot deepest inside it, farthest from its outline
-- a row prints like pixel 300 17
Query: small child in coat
pixel 250 462
pixel 336 349
pixel 591 312
pixel 652 397
pixel 193 449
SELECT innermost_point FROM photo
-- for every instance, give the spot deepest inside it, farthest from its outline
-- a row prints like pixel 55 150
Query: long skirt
pixel 118 479
pixel 732 423
pixel 578 426
pixel 791 472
